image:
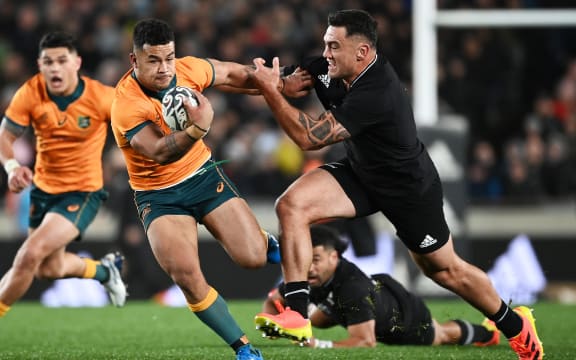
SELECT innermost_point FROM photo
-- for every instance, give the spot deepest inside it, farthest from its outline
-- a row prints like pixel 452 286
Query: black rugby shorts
pixel 417 217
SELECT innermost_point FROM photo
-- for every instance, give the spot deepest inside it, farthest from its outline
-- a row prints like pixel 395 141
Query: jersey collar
pixel 63 101
pixel 155 94
pixel 364 71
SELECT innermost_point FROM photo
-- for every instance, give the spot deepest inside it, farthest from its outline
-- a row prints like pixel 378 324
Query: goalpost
pixel 426 19
pixel 446 140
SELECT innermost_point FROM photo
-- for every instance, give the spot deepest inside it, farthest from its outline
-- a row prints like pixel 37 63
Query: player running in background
pixel 70 115
pixel 376 309
pixel 177 183
pixel 387 169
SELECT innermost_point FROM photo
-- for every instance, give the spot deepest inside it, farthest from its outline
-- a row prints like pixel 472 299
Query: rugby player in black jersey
pixel 376 309
pixel 387 169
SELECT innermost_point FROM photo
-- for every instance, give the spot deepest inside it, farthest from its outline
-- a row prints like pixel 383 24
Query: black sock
pixel 507 321
pixel 472 333
pixel 238 344
pixel 297 297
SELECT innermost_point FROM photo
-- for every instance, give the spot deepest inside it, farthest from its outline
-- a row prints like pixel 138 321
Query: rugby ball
pixel 173 110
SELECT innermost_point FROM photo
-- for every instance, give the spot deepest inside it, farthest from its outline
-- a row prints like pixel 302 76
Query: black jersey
pixel 351 297
pixel 383 149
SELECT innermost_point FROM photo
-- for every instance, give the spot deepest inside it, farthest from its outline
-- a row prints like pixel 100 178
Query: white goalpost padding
pixel 426 19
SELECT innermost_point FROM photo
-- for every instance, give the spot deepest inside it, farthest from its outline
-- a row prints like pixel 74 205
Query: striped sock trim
pixel 503 316
pixel 467 331
pixel 206 303
pixel 3 309
pixel 90 270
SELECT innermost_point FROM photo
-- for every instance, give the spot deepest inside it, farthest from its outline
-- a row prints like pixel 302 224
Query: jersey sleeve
pixel 18 110
pixel 198 73
pixel 129 114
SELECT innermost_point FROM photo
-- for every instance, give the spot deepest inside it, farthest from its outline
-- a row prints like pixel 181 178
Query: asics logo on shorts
pixel 73 208
pixel 428 241
pixel 220 187
pixel 145 212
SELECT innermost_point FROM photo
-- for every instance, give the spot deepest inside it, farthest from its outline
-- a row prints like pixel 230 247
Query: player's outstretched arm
pixel 235 90
pixel 232 76
pixel 236 78
pixel 297 84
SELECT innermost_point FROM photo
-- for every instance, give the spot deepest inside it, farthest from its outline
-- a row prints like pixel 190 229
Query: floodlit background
pixel 504 138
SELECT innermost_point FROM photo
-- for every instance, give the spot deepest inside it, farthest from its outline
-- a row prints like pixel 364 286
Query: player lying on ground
pixel 376 309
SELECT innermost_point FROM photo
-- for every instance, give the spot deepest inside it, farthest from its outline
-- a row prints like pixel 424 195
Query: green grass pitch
pixel 144 330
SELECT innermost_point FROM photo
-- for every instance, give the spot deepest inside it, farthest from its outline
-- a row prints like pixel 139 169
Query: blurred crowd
pixel 516 87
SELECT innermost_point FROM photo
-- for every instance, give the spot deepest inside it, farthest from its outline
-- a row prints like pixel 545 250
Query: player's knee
pixel 287 205
pixel 27 259
pixel 282 205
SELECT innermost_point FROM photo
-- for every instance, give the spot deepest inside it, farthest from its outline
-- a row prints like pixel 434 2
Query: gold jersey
pixel 134 106
pixel 70 132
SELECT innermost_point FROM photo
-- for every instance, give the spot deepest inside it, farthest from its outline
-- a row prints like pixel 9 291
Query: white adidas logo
pixel 325 79
pixel 428 241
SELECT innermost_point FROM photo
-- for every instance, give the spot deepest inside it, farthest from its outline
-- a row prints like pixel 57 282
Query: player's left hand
pixel 202 115
pixel 19 179
pixel 297 84
pixel 265 78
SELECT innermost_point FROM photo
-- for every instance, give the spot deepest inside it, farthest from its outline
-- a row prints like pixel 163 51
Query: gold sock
pixel 205 304
pixel 90 270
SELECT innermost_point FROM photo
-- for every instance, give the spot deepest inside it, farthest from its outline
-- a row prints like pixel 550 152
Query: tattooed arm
pixel 162 149
pixel 150 141
pixel 307 132
pixel 322 131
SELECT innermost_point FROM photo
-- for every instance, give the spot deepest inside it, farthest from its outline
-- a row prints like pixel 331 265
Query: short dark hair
pixel 323 235
pixel 356 22
pixel 152 32
pixel 56 39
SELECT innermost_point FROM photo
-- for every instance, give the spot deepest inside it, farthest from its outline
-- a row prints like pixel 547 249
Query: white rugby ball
pixel 173 110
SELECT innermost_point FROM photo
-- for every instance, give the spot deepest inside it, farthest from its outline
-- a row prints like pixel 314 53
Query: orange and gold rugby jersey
pixel 134 107
pixel 70 132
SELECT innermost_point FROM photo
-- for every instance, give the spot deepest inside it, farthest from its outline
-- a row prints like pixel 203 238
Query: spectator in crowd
pixel 543 119
pixel 484 181
pixel 558 177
